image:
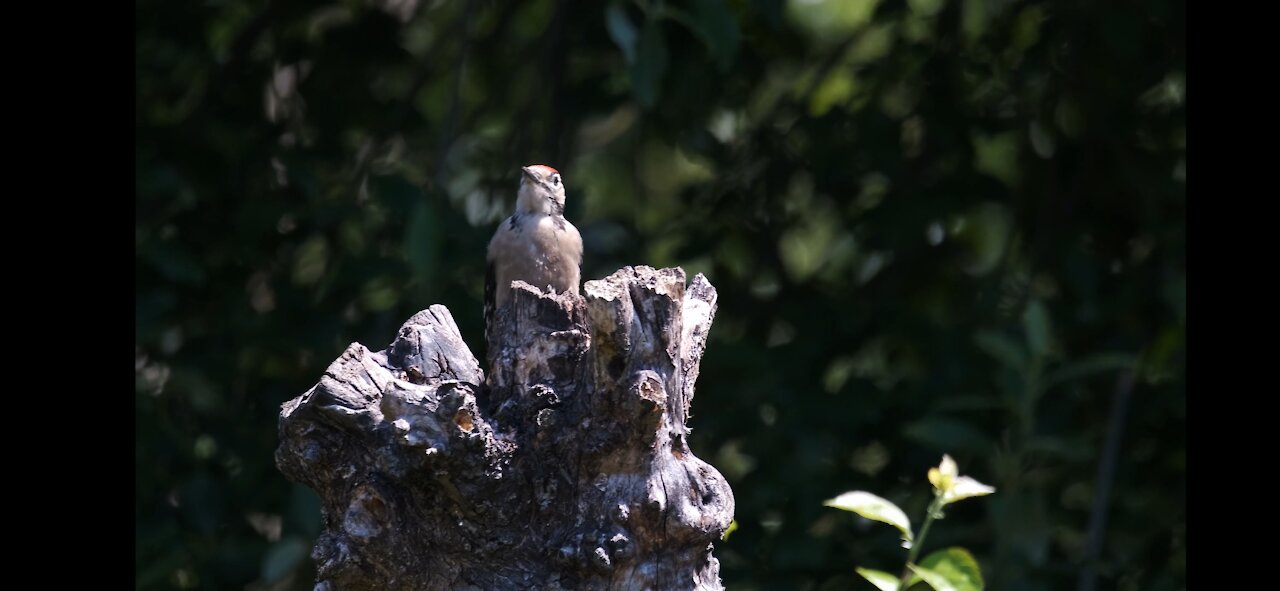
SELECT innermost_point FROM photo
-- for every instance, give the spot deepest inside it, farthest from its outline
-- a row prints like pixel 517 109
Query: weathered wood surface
pixel 568 468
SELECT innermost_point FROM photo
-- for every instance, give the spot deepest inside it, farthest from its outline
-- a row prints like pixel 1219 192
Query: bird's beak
pixel 528 172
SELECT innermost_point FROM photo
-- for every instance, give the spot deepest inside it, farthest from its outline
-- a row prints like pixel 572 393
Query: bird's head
pixel 541 190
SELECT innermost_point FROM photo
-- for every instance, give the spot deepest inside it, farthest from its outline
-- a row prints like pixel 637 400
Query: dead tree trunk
pixel 568 468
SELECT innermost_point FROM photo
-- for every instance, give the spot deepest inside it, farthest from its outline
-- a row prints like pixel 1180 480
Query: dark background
pixel 935 226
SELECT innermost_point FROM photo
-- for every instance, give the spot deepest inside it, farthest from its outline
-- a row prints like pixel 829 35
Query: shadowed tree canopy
pixel 934 226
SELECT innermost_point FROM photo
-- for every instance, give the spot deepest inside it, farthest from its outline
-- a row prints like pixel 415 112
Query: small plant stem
pixel 934 508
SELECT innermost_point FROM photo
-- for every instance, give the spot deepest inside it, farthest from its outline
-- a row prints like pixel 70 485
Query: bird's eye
pixel 555 179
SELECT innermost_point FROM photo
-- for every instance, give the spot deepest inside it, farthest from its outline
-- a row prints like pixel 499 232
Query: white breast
pixel 540 250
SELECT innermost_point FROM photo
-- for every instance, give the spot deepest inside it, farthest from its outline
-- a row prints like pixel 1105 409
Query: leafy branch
pixel 950 569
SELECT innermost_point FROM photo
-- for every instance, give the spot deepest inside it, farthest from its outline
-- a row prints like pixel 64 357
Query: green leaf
pixel 882 580
pixel 621 31
pixel 831 21
pixel 875 508
pixel 714 23
pixel 945 433
pixel 310 261
pixel 1035 320
pixel 1026 27
pixel 649 67
pixel 1042 141
pixel 952 569
pixel 997 155
pixel 380 293
pixel 974 15
pixel 836 89
pixel 733 527
pixel 1157 362
pixel 1004 349
pixel 1089 366
pixel 984 231
pixel 966 487
pixel 926 8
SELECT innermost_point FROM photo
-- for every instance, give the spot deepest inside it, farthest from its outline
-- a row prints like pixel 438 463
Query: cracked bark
pixel 567 468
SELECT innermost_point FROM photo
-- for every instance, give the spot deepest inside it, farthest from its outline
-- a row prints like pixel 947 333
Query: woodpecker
pixel 535 245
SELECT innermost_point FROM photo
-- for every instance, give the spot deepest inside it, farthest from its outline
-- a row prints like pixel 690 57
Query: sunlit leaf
pixel 733 527
pixel 380 293
pixel 997 155
pixel 835 89
pixel 966 487
pixel 831 21
pixel 1167 94
pixel 951 486
pixel 882 580
pixel 952 569
pixel 804 249
pixel 874 43
pixel 837 374
pixel 310 261
pixel 875 508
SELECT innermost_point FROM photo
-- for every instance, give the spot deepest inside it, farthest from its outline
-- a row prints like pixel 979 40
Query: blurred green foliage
pixel 936 226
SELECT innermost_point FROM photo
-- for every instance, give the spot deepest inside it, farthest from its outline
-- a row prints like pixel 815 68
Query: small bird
pixel 535 245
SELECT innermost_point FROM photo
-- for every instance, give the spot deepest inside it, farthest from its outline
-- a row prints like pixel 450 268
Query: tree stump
pixel 568 468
